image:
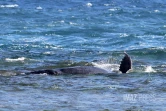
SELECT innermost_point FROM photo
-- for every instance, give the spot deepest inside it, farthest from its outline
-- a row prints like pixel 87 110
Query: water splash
pixel 110 68
pixel 149 69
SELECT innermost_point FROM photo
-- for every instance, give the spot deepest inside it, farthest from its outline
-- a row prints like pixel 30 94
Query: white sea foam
pixel 113 9
pixel 107 22
pixel 48 53
pixel 124 35
pixel 157 11
pixel 9 6
pixel 39 8
pixel 15 60
pixel 62 21
pixel 106 4
pixel 110 68
pixel 149 69
pixel 60 10
pixel 72 23
pixel 89 4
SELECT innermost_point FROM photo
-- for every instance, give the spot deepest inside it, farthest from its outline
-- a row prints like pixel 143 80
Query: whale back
pixel 124 67
pixel 126 63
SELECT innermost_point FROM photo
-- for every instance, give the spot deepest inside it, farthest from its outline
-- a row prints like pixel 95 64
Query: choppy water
pixel 46 34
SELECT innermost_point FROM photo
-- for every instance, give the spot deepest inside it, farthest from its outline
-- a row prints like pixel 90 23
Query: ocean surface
pixel 49 34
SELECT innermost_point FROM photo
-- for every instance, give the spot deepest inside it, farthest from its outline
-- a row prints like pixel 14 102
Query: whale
pixel 125 65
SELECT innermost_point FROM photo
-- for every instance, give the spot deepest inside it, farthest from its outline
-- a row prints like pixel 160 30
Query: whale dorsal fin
pixel 126 63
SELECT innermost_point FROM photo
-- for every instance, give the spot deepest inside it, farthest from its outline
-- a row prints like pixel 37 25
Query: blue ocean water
pixel 47 34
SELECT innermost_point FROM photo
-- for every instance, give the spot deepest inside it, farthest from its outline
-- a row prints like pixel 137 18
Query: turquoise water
pixel 50 34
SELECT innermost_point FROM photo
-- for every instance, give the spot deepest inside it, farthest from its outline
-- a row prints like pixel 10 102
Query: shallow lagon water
pixel 49 34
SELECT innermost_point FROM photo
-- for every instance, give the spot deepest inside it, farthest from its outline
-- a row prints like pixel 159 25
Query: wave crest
pixel 15 60
pixel 9 6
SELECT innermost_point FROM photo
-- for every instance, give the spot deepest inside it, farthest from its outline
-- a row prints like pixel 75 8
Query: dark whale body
pixel 124 67
pixel 72 70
